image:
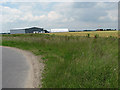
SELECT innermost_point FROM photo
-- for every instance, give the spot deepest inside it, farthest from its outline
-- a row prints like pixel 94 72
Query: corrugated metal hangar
pixel 59 30
pixel 28 30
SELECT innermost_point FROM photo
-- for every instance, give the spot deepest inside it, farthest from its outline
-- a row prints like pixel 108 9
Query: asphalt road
pixel 0 68
pixel 14 68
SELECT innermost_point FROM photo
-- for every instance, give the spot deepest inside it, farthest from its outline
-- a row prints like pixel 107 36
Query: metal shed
pixel 17 31
pixel 59 30
pixel 27 30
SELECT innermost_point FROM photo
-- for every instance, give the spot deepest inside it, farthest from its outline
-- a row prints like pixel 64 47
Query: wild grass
pixel 0 39
pixel 91 33
pixel 72 61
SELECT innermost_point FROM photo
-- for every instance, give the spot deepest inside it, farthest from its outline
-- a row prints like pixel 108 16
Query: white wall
pixel 59 30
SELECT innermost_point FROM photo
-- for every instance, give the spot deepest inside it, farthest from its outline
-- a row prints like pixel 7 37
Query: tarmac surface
pixel 15 68
pixel 0 68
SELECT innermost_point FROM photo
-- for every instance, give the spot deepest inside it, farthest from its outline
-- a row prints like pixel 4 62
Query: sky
pixel 49 15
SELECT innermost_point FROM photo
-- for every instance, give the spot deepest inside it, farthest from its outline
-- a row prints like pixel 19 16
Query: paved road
pixel 14 69
pixel 0 68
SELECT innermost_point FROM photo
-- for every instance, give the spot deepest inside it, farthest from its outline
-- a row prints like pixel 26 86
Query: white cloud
pixel 66 20
pixel 44 5
pixel 10 14
pixel 23 13
pixel 53 15
pixel 59 1
pixel 71 15
pixel 30 18
pixel 101 5
pixel 111 15
pixel 25 8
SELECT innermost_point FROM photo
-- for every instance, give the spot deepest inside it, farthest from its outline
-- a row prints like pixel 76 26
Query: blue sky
pixel 72 15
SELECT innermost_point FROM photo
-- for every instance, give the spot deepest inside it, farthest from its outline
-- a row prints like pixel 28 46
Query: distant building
pixel 4 33
pixel 46 31
pixel 28 30
pixel 75 30
pixel 99 30
pixel 89 30
pixel 106 30
pixel 59 30
pixel 110 30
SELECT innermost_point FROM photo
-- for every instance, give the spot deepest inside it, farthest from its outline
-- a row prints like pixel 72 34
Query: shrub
pixel 88 36
pixel 96 35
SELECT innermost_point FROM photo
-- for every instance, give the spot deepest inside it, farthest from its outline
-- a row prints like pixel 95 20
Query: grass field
pixel 72 61
pixel 92 33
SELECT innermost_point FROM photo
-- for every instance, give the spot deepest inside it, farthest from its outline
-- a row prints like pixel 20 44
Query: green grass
pixel 91 33
pixel 72 61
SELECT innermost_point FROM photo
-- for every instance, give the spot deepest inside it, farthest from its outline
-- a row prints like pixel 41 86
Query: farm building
pixel 99 30
pixel 75 30
pixel 28 30
pixel 106 29
pixel 59 30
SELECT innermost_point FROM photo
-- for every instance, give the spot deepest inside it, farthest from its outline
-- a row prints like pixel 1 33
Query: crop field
pixel 72 61
pixel 92 33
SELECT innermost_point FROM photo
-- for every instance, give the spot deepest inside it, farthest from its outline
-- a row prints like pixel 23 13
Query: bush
pixel 88 36
pixel 96 35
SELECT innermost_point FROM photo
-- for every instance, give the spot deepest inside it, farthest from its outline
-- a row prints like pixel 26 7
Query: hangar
pixel 59 30
pixel 28 30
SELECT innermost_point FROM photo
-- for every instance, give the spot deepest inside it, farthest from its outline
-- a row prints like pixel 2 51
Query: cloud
pixel 113 15
pixel 9 14
pixel 59 1
pixel 87 12
pixel 59 15
pixel 53 15
pixel 84 5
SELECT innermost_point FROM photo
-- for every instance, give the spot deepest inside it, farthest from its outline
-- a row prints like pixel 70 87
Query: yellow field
pixel 92 33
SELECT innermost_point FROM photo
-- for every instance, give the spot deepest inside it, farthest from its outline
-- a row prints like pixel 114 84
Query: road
pixel 15 68
pixel 0 68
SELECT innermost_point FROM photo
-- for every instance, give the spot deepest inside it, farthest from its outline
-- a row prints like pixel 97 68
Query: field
pixel 92 33
pixel 72 61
